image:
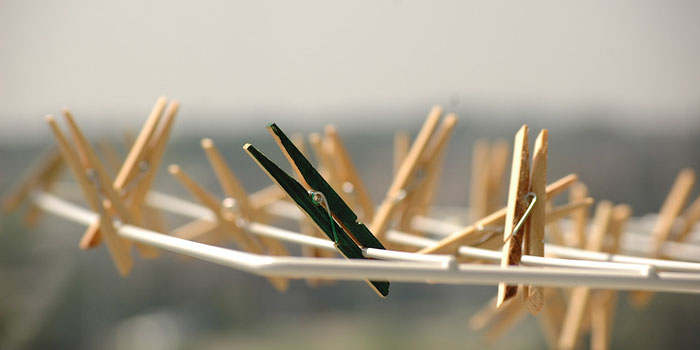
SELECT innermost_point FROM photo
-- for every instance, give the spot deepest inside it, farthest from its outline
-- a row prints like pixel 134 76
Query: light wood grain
pixel 519 183
pixel 115 245
pixel 406 173
pixel 533 241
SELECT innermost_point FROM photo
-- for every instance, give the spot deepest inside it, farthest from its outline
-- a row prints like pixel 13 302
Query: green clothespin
pixel 316 197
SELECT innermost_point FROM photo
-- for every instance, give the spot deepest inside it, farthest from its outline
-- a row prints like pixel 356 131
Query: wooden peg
pixel 497 169
pixel 139 147
pixel 534 234
pixel 232 187
pixel 406 173
pixel 110 154
pixel 418 200
pixel 325 160
pixel 690 218
pixel 92 237
pixel 672 207
pixel 208 200
pixel 266 196
pixel 579 298
pixel 347 173
pixel 519 183
pixel 116 245
pixel 579 218
pixel 401 144
pixel 225 220
pixel 552 316
pixel 479 184
pixel 35 177
pixel 47 183
pixel 511 314
pixel 433 159
pixel 194 229
pixel 105 181
pixel 603 301
pixel 557 213
pixel 470 234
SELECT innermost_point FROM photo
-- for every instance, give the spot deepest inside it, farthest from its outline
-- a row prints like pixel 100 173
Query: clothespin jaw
pixel 117 246
pixel 515 210
pixel 331 214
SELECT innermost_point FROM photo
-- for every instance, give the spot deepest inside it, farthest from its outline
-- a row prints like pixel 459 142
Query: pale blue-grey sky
pixel 314 58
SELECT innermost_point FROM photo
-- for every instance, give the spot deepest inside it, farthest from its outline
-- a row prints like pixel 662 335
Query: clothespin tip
pixel 174 169
pixel 207 143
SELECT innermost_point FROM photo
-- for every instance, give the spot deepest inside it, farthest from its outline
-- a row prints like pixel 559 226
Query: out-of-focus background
pixel 616 83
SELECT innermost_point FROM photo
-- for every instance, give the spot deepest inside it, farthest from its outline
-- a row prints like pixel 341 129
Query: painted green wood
pixel 341 211
pixel 317 213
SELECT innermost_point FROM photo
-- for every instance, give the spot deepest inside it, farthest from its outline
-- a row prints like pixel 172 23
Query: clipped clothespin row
pixel 44 176
pixel 670 210
pixel 320 202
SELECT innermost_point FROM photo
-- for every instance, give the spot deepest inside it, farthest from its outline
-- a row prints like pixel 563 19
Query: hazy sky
pixel 315 58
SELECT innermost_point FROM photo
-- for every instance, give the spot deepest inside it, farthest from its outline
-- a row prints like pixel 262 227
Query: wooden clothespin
pixel 690 217
pixel 117 246
pixel 130 168
pixel 401 144
pixel 515 210
pixel 323 205
pixel 350 181
pixel 579 297
pixel 579 219
pixel 418 200
pixel 92 163
pixel 533 236
pixel 475 233
pixel 406 174
pixel 226 220
pixel 603 301
pixel 672 207
pixel 233 188
pixel 44 176
pixel 489 162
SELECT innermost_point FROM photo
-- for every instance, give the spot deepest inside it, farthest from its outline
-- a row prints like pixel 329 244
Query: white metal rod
pixel 495 256
pixel 384 270
pixel 583 257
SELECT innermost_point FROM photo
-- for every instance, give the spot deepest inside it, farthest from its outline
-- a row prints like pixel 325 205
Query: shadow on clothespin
pixel 137 173
pixel 44 176
pixel 319 201
pixel 670 210
pixel 91 180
